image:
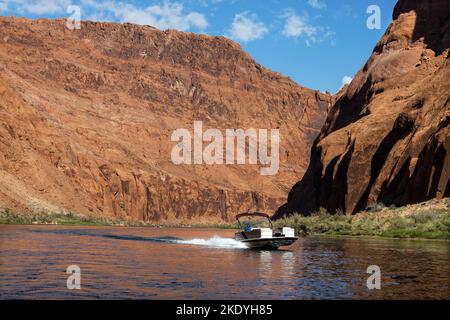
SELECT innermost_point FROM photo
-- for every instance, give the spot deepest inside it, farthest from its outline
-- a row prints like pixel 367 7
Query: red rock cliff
pixel 387 138
pixel 86 118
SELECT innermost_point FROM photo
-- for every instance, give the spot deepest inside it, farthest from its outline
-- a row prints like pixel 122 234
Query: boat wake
pixel 216 242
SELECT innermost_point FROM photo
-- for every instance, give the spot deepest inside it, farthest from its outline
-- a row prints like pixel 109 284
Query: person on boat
pixel 248 227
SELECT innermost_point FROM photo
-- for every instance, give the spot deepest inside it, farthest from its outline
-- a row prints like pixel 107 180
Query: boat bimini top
pixel 253 214
pixel 265 238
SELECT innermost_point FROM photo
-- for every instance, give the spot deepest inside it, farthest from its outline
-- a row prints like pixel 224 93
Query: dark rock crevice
pixel 405 79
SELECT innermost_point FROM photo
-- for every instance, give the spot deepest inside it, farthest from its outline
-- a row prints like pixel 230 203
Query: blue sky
pixel 318 43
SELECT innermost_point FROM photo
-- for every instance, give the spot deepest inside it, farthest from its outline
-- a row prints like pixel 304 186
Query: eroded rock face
pixel 387 137
pixel 86 118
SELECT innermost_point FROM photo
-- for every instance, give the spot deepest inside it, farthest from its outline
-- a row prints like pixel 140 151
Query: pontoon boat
pixel 263 238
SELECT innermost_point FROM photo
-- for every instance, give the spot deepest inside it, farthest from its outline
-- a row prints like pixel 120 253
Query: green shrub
pixel 426 220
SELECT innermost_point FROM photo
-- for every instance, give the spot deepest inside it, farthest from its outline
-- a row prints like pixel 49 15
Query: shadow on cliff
pixel 432 23
pixel 319 188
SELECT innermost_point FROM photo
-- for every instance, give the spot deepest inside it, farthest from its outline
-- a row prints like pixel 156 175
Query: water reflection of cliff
pixel 136 264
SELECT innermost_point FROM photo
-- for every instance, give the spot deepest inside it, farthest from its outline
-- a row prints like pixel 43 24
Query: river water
pixel 151 263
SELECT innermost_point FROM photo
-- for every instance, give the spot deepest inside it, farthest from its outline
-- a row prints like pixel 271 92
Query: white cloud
pixel 317 4
pixel 169 15
pixel 298 26
pixel 345 81
pixel 246 27
pixel 36 7
pixel 3 6
pixel 198 20
pixel 166 16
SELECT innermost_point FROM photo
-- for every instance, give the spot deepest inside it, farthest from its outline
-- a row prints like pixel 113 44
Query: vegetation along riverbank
pixel 429 219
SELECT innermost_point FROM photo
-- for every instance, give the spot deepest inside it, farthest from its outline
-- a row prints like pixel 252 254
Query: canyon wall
pixel 86 118
pixel 387 138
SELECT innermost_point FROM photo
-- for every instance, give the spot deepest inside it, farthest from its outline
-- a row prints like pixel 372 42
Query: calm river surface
pixel 148 263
